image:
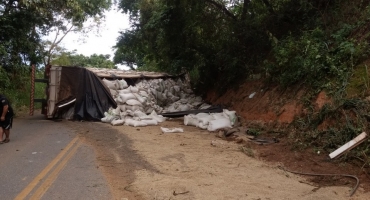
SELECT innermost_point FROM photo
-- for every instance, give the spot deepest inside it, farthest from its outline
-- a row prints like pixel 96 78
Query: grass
pixel 19 94
pixel 359 82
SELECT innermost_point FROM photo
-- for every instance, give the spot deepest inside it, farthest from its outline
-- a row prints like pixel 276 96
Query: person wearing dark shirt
pixel 6 119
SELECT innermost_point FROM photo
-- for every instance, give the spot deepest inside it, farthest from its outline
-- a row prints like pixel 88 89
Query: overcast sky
pixel 115 21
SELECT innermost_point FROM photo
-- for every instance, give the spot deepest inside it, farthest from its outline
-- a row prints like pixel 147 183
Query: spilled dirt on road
pixel 144 163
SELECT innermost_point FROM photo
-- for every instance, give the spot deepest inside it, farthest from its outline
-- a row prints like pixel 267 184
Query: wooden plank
pixel 349 145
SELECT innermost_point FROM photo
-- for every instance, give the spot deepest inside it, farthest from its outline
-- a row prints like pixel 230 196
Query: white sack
pixel 127 96
pixel 183 101
pixel 123 115
pixel 124 91
pixel 172 108
pixel 150 122
pixel 134 123
pixel 205 119
pixel 231 115
pixel 111 84
pixel 133 89
pixel 183 107
pixel 172 130
pixel 113 92
pixel 174 98
pixel 183 95
pixel 190 120
pixel 149 109
pixel 158 118
pixel 218 124
pixel 117 122
pixel 106 114
pixel 133 102
pixel 176 88
pixel 202 125
pixel 219 115
pixel 108 118
pixel 160 97
pixel 122 84
pixel 196 103
pixel 204 106
pixel 118 100
pixel 143 93
pixel 122 107
pixel 114 111
pixel 141 115
pixel 139 98
pixel 134 108
pixel 201 115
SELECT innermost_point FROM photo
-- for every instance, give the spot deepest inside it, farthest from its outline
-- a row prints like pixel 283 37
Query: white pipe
pixel 67 103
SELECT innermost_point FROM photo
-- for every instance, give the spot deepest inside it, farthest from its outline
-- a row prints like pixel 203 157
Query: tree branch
pixel 222 8
pixel 245 9
pixel 56 42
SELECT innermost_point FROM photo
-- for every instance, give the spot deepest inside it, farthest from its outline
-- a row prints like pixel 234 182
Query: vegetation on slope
pixel 319 45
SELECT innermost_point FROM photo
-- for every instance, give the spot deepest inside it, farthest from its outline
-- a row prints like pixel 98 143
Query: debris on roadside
pixel 349 145
pixel 216 143
pixel 252 95
pixel 172 130
pixel 231 131
pixel 263 141
pixel 221 134
pixel 212 121
pixel 178 193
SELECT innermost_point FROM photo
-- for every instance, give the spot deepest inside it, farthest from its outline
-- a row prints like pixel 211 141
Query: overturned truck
pixel 122 97
pixel 87 93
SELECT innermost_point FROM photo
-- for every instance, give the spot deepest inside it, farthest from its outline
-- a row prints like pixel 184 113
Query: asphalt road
pixel 46 160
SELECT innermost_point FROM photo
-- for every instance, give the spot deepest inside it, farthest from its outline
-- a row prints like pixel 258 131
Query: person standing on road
pixel 6 119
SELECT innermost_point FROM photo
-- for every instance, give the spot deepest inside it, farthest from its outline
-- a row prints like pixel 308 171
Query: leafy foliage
pixel 316 59
pixel 22 25
pixel 72 59
pixel 179 36
pixel 305 43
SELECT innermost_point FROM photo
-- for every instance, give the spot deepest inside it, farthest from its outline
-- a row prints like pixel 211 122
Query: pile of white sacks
pixel 138 105
pixel 212 121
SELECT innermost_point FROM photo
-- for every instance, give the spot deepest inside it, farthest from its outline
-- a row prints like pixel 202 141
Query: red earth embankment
pixel 256 102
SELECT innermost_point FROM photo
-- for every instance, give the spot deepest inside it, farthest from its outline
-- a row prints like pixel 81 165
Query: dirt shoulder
pixel 144 163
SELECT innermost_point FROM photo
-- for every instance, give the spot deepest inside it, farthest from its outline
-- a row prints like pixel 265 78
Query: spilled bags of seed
pixel 139 105
pixel 212 121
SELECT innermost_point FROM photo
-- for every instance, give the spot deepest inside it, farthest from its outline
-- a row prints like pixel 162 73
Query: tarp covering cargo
pixel 82 94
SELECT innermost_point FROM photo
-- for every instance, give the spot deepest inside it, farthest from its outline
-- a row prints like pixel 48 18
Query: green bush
pixel 314 59
pixel 18 89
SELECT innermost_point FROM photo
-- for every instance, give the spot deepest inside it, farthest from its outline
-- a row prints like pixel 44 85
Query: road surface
pixel 46 160
pixel 92 160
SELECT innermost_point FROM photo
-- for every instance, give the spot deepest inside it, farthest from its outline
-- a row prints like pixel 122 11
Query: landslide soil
pixel 144 163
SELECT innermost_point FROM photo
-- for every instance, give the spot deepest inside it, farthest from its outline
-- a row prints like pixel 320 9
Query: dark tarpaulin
pixel 212 109
pixel 92 96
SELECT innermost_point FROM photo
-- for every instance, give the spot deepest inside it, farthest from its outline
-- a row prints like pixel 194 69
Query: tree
pixel 22 23
pixel 74 21
pixel 72 59
pixel 203 36
pixel 219 41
